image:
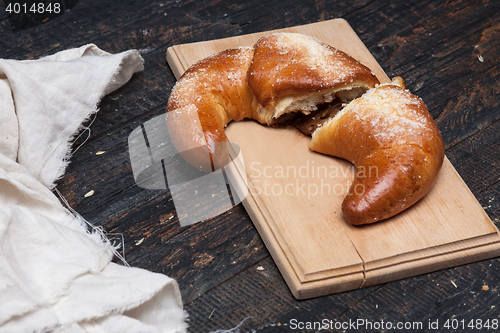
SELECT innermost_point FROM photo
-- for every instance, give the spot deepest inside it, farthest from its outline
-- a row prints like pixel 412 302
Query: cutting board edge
pixel 299 288
pixel 271 239
pixel 443 250
pixel 313 289
pixel 174 61
pixel 428 264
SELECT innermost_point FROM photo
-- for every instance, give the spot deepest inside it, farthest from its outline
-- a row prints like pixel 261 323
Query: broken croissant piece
pixel 298 80
pixel 388 134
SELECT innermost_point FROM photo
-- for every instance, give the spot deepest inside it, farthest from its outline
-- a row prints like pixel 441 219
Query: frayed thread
pixel 232 330
pixel 75 136
pixel 97 231
pixel 185 319
pixel 83 129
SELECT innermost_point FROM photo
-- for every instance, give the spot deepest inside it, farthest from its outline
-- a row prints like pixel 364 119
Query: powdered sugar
pixel 197 83
pixel 328 63
pixel 393 114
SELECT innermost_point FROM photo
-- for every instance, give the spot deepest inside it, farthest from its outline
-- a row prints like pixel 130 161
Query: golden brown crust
pixel 389 135
pixel 212 92
pixel 293 64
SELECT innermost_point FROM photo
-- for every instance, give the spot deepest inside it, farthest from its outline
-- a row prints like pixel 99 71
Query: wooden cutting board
pixel 295 198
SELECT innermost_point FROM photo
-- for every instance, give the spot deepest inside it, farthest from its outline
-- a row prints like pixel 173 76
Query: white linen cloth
pixel 54 275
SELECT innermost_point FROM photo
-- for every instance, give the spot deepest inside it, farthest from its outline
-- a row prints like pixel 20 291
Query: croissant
pixel 293 79
pixel 391 138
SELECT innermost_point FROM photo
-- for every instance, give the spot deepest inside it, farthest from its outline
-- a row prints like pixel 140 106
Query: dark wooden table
pixel 448 54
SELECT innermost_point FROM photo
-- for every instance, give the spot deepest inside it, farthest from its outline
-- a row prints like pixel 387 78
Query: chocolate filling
pixel 307 124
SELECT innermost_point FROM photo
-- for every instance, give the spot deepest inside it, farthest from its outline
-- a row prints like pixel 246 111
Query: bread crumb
pixel 100 152
pixel 485 287
pixel 89 193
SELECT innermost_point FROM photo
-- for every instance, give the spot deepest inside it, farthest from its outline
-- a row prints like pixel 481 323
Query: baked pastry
pixel 391 138
pixel 209 95
pixel 292 73
pixel 282 74
pixel 298 80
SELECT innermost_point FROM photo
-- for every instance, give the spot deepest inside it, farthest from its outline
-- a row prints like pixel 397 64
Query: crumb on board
pixel 166 217
pixel 485 287
pixel 89 193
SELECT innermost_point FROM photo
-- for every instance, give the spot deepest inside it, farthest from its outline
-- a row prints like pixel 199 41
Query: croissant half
pixel 292 79
pixel 389 135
